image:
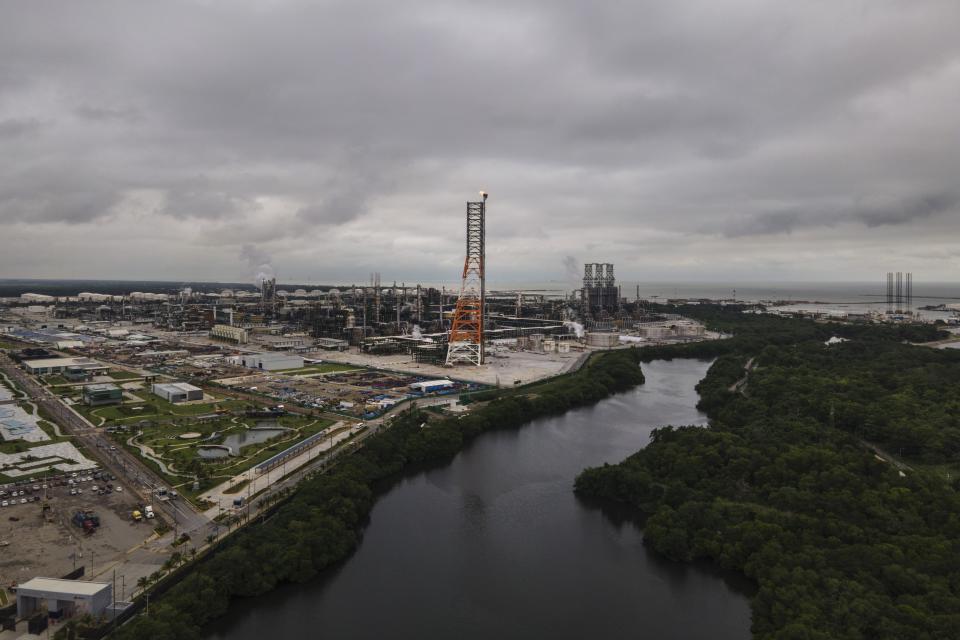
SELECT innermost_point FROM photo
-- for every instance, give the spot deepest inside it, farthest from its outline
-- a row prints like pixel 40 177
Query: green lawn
pixel 19 446
pixel 163 437
pixel 119 374
pixel 237 488
pixel 156 409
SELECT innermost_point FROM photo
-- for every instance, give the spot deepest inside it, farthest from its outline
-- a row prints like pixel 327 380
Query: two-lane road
pixel 138 478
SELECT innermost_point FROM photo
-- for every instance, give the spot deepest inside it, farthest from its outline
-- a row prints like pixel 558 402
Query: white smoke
pixel 417 333
pixel 626 339
pixel 571 271
pixel 258 262
pixel 576 326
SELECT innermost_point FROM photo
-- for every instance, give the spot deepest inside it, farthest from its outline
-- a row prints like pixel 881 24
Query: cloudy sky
pixel 682 139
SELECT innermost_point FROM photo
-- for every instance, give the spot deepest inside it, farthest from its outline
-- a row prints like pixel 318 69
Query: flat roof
pixel 62 362
pixel 69 587
pixel 106 386
pixel 272 355
pixel 430 383
pixel 175 386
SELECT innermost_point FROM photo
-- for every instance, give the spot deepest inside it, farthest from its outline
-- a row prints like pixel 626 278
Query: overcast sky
pixel 679 139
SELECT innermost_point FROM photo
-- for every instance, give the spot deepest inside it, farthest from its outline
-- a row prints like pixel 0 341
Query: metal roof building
pixel 69 597
pixel 177 391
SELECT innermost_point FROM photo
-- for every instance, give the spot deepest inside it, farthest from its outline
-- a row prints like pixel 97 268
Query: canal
pixel 496 545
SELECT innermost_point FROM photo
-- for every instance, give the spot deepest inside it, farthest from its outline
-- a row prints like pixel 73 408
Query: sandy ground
pixel 53 546
pixel 504 367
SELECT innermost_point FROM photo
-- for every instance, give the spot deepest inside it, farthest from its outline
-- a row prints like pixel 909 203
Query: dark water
pixel 496 545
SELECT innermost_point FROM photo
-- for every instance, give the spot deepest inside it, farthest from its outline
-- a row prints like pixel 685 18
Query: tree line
pixel 785 487
pixel 322 523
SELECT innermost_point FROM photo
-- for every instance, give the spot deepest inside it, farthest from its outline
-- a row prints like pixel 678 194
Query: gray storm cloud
pixel 674 139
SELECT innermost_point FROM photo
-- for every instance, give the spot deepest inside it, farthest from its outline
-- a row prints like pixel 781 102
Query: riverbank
pixel 494 544
pixel 322 522
pixel 787 486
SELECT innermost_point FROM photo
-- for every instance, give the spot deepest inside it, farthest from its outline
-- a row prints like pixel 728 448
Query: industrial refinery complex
pixel 143 426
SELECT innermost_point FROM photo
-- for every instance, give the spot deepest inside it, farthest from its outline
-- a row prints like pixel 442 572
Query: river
pixel 496 545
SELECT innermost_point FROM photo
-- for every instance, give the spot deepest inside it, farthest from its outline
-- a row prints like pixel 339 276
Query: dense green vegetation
pixel 786 487
pixel 321 524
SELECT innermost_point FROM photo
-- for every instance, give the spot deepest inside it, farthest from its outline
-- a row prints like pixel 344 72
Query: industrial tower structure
pixel 897 302
pixel 599 291
pixel 466 332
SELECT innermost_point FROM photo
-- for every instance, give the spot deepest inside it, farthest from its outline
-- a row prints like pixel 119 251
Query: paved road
pixel 128 469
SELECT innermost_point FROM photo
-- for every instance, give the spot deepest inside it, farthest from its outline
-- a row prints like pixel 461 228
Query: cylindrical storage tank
pixel 605 340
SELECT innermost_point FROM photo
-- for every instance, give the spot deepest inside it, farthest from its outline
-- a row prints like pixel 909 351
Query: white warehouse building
pixel 177 392
pixel 271 361
pixel 71 597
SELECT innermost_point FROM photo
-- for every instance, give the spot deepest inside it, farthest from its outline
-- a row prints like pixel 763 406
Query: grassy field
pixel 19 446
pixel 156 409
pixel 120 374
pixel 237 488
pixel 181 455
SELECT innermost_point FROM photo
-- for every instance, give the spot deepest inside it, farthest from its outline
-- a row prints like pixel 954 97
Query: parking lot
pixel 40 534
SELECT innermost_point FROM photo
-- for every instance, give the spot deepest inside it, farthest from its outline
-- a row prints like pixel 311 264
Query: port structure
pixel 465 345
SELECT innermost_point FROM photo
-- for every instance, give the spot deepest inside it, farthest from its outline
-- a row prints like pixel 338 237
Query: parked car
pixel 5 503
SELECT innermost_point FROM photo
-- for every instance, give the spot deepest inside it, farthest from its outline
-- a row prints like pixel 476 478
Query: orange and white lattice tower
pixel 466 332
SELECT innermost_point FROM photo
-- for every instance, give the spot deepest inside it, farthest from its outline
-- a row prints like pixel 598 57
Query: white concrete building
pixel 429 386
pixel 271 360
pixel 177 392
pixel 59 365
pixel 71 597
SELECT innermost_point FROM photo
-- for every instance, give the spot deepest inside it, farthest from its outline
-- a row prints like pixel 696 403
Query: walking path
pixel 741 384
pixel 255 482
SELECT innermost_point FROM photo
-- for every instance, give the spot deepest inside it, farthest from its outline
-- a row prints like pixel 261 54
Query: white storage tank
pixel 603 340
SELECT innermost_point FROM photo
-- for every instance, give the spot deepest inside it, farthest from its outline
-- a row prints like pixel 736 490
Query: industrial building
pixel 271 361
pixel 238 335
pixel 177 392
pixel 95 395
pixel 600 294
pixel 332 344
pixel 63 598
pixel 60 365
pixel 430 386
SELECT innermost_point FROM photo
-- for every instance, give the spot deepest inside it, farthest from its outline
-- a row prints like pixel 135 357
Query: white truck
pixel 148 511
